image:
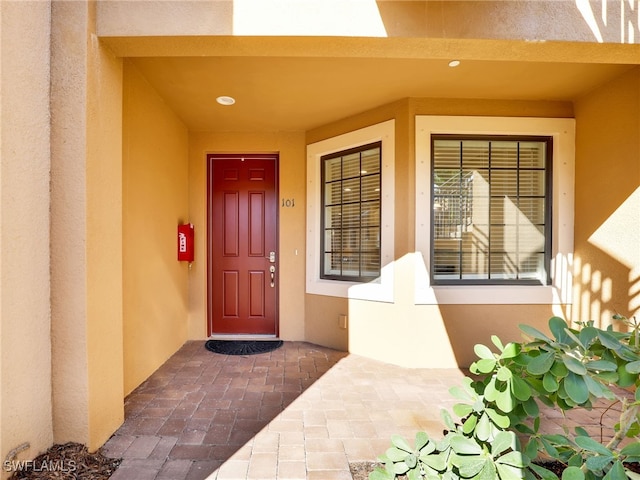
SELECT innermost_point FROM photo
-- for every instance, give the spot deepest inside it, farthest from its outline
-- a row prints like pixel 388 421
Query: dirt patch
pixel 361 470
pixel 70 461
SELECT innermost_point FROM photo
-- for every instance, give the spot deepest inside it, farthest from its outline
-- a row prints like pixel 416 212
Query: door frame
pixel 209 158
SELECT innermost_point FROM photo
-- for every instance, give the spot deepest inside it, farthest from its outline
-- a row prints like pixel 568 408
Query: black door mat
pixel 242 347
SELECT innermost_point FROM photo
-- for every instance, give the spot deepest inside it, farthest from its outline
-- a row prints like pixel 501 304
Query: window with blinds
pixel 491 198
pixel 351 214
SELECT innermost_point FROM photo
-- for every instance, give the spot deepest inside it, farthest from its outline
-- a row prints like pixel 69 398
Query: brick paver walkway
pixel 301 412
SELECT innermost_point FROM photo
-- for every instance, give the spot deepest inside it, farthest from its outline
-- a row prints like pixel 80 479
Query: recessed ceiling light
pixel 225 100
pixel 454 63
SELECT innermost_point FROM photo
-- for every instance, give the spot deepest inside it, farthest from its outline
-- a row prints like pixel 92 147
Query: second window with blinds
pixel 491 209
pixel 351 196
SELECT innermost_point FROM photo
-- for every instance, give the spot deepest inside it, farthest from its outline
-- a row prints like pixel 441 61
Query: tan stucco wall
pixel 155 200
pixel 607 218
pixel 291 148
pixel 86 230
pixel 25 342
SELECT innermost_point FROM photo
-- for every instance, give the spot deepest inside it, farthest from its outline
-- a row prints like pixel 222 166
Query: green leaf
pixel 395 454
pixel 576 388
pixel 633 367
pixel 531 450
pixel 598 462
pixel 581 432
pixel 507 472
pixel 497 342
pixel 501 421
pixel 559 369
pixel 399 442
pixel 631 450
pixel 515 459
pixel 575 339
pixel 520 389
pixel 608 340
pixel 588 443
pixel 482 351
pixel 483 429
pixel 411 461
pixel 576 460
pixel 414 474
pixel 625 379
pixel 587 335
pixel 616 473
pixel 436 461
pixel 572 473
pixel 549 448
pixel 558 439
pixel 634 430
pixel 505 400
pixel 463 393
pixel 601 366
pixel 512 350
pixel 574 365
pixel 557 326
pixel 485 365
pixel 597 389
pixel 534 333
pixel 488 472
pixel 608 377
pixel 464 446
pixel 504 374
pixel 462 409
pixel 446 418
pixel 470 424
pixel 550 383
pixel 490 391
pixel 400 468
pixel 543 472
pixel 380 474
pixel 421 440
pixel 531 407
pixel 502 442
pixel 541 364
pixel 471 466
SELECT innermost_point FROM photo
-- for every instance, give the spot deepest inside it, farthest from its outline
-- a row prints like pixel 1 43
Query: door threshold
pixel 231 336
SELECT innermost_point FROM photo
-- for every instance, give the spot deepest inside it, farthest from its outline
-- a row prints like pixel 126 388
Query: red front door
pixel 243 226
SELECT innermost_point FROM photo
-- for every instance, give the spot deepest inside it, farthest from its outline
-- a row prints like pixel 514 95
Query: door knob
pixel 272 270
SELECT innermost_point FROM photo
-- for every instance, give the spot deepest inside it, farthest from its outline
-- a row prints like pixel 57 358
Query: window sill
pixel 378 290
pixel 426 294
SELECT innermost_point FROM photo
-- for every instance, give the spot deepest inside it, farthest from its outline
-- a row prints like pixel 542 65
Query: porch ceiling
pixel 280 92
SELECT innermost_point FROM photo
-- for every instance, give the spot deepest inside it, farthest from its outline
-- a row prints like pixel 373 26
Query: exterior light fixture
pixel 454 63
pixel 225 100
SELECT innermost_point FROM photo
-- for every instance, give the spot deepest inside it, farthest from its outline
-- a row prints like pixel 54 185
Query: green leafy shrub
pixel 499 410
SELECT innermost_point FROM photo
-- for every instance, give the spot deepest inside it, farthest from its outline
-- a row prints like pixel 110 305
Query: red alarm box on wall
pixel 185 242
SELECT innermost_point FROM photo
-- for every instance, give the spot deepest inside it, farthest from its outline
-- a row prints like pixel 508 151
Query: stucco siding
pixel 155 200
pixel 607 257
pixel 25 341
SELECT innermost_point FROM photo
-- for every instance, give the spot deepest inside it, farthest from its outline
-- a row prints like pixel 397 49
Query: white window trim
pixel 380 289
pixel 559 292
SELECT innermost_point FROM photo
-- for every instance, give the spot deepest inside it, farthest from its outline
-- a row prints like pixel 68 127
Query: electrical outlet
pixel 342 321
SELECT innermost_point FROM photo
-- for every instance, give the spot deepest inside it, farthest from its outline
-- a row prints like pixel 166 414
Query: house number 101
pixel 288 202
